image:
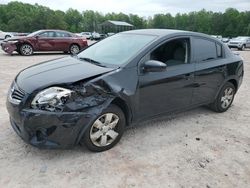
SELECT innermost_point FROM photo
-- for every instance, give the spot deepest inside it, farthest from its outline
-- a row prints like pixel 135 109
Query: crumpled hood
pixel 15 38
pixel 58 71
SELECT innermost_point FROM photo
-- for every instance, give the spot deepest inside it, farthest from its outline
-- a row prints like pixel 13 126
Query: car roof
pixel 43 30
pixel 165 32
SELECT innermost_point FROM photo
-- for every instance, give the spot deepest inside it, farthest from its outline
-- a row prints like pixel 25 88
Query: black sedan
pixel 129 77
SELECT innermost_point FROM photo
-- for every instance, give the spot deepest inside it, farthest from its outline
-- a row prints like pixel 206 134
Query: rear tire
pixel 242 48
pixel 74 49
pixel 106 130
pixel 224 99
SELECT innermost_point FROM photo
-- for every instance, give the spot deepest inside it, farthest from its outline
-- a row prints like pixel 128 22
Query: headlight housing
pixel 51 99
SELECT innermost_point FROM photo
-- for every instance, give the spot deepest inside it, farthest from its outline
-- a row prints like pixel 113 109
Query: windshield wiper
pixel 92 61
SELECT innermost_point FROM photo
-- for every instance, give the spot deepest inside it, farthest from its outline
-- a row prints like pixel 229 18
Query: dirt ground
pixel 198 148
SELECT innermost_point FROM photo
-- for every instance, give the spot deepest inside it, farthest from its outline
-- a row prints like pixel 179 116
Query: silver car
pixel 5 35
pixel 239 42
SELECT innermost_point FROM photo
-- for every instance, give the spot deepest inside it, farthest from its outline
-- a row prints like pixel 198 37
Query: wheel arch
pixel 122 105
pixel 125 108
pixel 232 80
pixel 74 43
pixel 19 44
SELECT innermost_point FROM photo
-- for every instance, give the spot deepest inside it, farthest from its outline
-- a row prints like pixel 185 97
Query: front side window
pixel 47 34
pixel 62 34
pixel 174 52
pixel 204 50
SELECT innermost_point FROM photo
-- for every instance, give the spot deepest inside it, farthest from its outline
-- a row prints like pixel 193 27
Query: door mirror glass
pixel 154 66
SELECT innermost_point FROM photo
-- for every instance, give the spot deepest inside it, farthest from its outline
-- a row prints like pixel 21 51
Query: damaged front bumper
pixel 46 129
pixel 8 47
pixel 49 129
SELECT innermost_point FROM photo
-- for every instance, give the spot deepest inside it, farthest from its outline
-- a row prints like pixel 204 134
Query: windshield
pixel 33 34
pixel 117 49
pixel 241 38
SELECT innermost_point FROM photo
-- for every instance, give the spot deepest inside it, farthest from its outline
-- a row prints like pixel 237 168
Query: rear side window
pixel 219 50
pixel 205 50
pixel 62 34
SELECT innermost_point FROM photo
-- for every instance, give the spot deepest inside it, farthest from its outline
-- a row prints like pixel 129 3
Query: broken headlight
pixel 51 99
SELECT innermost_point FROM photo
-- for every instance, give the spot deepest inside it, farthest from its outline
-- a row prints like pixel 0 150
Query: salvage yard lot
pixel 198 148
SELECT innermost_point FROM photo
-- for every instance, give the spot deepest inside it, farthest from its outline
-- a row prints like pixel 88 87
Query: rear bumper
pixel 8 47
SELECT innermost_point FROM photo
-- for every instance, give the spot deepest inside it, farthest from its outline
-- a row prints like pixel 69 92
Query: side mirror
pixel 154 66
pixel 37 36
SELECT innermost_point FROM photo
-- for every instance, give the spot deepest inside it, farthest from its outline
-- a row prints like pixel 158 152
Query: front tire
pixel 106 130
pixel 224 99
pixel 242 48
pixel 26 49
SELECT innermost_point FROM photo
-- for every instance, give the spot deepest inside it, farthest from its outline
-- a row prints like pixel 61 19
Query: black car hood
pixel 56 72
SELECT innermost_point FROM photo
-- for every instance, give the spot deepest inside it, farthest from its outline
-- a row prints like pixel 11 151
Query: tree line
pixel 22 17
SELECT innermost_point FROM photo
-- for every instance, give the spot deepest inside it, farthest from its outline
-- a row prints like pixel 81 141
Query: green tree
pixel 73 18
pixel 23 17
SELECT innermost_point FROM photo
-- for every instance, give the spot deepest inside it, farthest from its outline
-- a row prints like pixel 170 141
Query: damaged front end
pixel 57 117
pixel 9 47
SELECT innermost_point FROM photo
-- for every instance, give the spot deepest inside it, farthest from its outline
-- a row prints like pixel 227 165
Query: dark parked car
pixel 90 98
pixel 45 40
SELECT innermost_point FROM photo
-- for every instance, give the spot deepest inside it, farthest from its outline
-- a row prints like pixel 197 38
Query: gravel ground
pixel 198 148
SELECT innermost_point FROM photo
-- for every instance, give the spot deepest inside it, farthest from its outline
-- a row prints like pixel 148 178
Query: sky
pixel 142 7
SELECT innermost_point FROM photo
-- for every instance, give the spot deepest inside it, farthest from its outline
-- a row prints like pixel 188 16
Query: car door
pixel 62 41
pixel 170 90
pixel 45 41
pixel 209 69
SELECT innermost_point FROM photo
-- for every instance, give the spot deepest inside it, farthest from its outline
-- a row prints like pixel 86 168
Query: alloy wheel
pixel 227 97
pixel 74 49
pixel 26 49
pixel 103 131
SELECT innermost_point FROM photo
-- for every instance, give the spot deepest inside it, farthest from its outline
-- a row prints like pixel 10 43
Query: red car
pixel 45 40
